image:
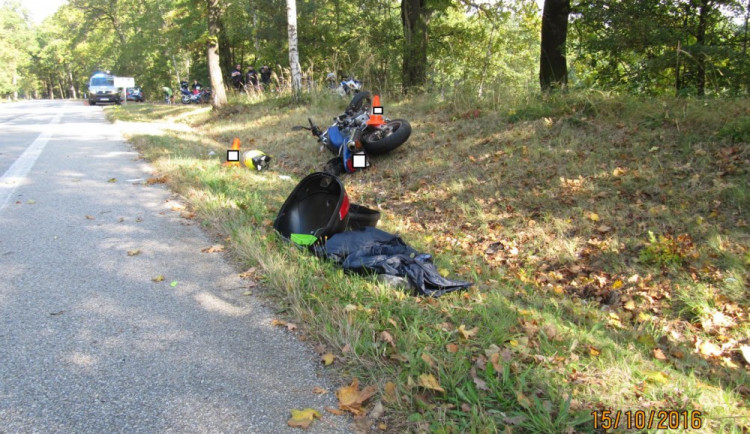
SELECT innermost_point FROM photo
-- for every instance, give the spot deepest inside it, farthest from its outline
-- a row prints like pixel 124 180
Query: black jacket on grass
pixel 371 250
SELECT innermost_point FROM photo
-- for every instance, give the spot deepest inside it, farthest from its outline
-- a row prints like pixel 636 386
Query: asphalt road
pixel 88 342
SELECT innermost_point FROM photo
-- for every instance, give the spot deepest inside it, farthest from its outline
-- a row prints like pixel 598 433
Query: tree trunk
pixel 414 17
pixel 219 97
pixel 553 67
pixel 72 85
pixel 224 50
pixel 15 86
pixel 700 42
pixel 291 17
pixel 677 82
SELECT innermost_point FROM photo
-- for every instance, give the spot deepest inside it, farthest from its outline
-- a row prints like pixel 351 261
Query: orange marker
pixel 376 119
pixel 233 154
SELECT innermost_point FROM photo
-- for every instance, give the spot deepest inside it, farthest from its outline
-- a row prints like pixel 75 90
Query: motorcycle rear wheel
pixel 386 138
pixel 361 101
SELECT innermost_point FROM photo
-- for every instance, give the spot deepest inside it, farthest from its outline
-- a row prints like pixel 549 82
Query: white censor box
pixel 124 82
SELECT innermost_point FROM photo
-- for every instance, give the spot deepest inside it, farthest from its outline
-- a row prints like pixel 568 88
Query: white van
pixel 102 88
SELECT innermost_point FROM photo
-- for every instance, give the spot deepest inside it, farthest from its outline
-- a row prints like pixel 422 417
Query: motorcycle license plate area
pixel 103 99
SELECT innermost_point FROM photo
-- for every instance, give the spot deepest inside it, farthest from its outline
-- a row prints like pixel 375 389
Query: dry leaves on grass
pixel 327 358
pixel 303 418
pixel 468 334
pixel 352 399
pixel 157 180
pixel 290 326
pixel 216 248
pixel 428 381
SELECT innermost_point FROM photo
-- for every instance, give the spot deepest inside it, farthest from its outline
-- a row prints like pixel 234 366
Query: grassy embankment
pixel 607 236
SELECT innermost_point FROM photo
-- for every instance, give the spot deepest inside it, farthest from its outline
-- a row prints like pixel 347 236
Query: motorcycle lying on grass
pixel 198 96
pixel 358 132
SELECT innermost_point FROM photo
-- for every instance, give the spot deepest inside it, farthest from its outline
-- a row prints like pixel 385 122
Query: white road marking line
pixel 17 172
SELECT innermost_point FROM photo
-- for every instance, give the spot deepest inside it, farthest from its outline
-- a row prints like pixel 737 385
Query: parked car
pixel 102 88
pixel 134 94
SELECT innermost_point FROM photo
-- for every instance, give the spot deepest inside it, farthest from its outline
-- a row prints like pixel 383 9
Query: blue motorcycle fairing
pixel 335 137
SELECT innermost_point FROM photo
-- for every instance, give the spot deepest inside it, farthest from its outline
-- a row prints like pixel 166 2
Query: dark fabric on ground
pixel 372 250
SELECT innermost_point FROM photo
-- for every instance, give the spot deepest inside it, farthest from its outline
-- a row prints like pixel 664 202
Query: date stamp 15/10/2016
pixel 647 419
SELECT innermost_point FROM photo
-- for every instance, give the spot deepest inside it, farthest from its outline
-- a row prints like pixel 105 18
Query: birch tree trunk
pixel 219 95
pixel 291 17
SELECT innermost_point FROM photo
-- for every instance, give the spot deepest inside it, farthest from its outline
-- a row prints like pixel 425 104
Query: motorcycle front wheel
pixel 185 99
pixel 386 137
pixel 361 101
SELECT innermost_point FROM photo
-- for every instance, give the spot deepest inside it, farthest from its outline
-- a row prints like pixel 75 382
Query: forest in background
pixel 480 48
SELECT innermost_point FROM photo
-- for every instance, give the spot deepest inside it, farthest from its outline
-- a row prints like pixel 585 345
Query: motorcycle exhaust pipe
pixel 355 145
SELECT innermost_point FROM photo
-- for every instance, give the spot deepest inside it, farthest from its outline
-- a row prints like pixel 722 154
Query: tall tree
pixel 291 16
pixel 415 19
pixel 214 66
pixel 553 66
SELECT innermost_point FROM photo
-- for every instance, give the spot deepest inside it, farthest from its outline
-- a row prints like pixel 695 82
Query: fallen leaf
pixel 319 390
pixel 428 381
pixel 138 219
pixel 291 327
pixel 481 384
pixel 594 217
pixel 593 351
pixel 156 180
pixel 159 278
pixel 523 400
pixel 467 334
pixel 389 392
pixel 377 411
pixel 387 337
pixel 246 293
pixel 346 349
pixel 603 229
pixel 173 284
pixel 277 322
pixel 31 201
pixel 249 274
pixel 382 426
pixel 351 398
pixel 429 360
pixel 303 418
pixel 629 305
pixel 659 354
pixel 708 348
pixel 335 411
pixel 134 252
pixel 216 248
pixel 90 217
pixel 327 358
pixel 466 408
pixel 656 377
pixel 515 420
pixel 112 180
pixel 451 348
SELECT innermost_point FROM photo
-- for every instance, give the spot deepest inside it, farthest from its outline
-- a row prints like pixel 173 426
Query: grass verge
pixel 607 236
